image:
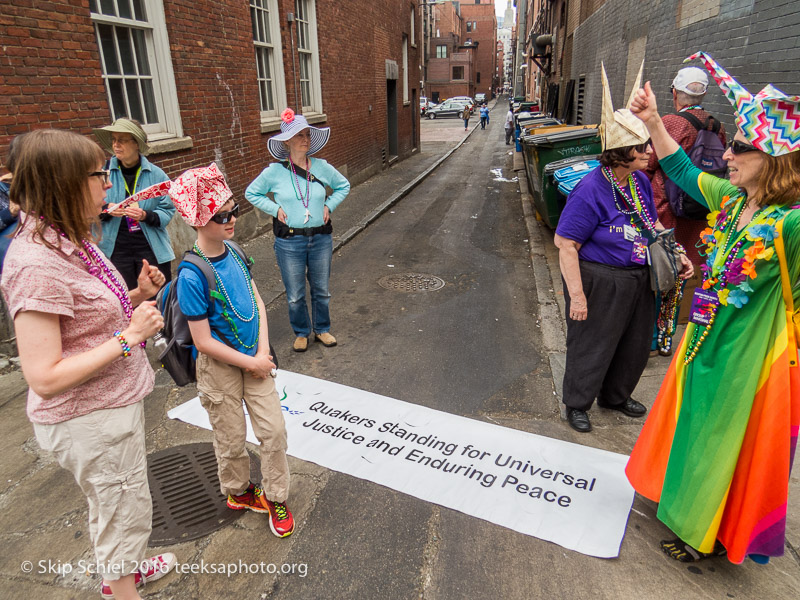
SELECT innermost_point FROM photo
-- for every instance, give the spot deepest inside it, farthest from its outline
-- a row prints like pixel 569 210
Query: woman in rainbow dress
pixel 717 448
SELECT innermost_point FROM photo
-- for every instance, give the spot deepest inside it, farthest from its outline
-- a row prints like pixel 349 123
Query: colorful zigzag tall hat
pixel 770 120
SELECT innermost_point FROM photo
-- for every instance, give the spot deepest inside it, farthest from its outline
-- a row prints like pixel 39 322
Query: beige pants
pixel 105 451
pixel 221 388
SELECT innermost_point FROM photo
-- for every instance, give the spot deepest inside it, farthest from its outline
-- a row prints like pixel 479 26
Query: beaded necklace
pixel 298 193
pixel 722 266
pixel 97 267
pixel 633 204
pixel 227 299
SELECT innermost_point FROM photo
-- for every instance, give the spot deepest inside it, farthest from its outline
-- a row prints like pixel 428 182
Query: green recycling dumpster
pixel 542 149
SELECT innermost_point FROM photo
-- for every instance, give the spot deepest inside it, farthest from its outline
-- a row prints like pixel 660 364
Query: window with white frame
pixel 441 51
pixel 137 68
pixel 412 31
pixel 308 56
pixel 405 70
pixel 269 63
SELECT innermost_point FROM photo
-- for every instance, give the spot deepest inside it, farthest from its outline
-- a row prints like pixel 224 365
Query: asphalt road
pixel 469 348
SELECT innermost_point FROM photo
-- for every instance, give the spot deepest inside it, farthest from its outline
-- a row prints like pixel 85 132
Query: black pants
pixel 129 264
pixel 483 122
pixel 607 353
pixel 509 135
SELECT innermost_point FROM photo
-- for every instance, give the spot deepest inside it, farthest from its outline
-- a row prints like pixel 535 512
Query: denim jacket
pixel 157 237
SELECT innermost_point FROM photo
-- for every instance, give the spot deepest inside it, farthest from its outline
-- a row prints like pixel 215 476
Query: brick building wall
pixel 484 33
pixel 52 77
pixel 754 40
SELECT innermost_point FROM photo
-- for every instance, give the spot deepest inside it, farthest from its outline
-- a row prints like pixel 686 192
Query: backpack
pixel 177 352
pixel 706 154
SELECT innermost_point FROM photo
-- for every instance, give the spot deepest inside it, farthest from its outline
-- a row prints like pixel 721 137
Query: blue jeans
pixel 300 257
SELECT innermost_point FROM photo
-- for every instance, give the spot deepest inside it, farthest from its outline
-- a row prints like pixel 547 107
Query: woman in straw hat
pixel 80 335
pixel 301 211
pixel 136 232
pixel 717 449
pixel 602 238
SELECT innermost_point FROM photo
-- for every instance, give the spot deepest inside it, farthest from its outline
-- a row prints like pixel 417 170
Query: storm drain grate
pixel 187 503
pixel 411 282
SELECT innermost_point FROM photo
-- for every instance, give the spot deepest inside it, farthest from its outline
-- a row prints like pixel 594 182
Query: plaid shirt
pixel 687 231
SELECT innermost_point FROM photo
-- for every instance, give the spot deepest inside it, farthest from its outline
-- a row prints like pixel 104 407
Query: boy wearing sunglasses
pixel 233 362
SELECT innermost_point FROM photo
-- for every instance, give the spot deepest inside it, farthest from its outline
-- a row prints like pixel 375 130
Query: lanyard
pixel 135 183
pixel 722 257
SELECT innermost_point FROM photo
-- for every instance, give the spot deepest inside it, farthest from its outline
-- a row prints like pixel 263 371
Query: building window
pixel 137 68
pixel 469 26
pixel 269 63
pixel 458 72
pixel 478 78
pixel 441 51
pixel 413 27
pixel 308 56
pixel 405 70
pixel 475 25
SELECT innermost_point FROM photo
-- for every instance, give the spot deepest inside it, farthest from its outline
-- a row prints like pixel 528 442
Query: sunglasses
pixel 643 147
pixel 225 216
pixel 740 147
pixel 105 175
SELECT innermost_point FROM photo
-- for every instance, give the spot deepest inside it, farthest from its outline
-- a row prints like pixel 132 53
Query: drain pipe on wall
pixel 290 20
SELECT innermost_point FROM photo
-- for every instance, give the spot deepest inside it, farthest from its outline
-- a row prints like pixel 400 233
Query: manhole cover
pixel 411 282
pixel 187 503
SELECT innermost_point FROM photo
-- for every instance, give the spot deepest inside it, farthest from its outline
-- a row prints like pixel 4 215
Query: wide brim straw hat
pixel 291 125
pixel 122 125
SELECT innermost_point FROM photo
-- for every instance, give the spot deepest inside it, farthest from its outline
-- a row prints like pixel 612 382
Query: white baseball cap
pixel 689 75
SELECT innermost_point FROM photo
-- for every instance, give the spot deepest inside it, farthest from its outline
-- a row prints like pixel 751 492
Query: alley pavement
pixel 359 540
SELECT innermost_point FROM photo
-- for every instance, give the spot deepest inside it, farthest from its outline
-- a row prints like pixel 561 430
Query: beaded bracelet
pixel 126 349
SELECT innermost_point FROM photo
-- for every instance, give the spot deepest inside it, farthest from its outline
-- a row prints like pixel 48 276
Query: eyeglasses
pixel 643 147
pixel 224 217
pixel 103 174
pixel 127 140
pixel 740 147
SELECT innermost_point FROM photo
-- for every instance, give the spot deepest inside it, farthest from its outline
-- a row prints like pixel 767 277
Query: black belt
pixel 282 230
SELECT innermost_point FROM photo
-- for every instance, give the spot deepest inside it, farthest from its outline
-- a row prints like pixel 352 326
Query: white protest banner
pixel 575 496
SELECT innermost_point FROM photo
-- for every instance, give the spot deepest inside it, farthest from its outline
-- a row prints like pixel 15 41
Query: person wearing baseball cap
pixel 688 91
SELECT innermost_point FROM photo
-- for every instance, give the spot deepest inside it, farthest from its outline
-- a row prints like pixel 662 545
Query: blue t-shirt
pixel 194 301
pixel 591 218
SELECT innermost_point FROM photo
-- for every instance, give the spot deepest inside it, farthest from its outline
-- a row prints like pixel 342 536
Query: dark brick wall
pixel 50 76
pixel 485 34
pixel 754 40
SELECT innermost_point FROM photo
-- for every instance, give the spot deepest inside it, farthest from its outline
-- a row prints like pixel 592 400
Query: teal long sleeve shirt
pixel 279 181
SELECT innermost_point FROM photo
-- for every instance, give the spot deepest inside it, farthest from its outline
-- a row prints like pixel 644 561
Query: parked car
pixel 480 98
pixel 466 100
pixel 424 105
pixel 448 108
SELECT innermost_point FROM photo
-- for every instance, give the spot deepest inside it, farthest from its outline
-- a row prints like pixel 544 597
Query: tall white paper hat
pixel 620 128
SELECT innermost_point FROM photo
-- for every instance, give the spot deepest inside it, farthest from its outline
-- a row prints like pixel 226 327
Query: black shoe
pixel 630 408
pixel 578 420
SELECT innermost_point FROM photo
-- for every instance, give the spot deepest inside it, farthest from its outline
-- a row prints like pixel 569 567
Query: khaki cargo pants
pixel 105 452
pixel 221 388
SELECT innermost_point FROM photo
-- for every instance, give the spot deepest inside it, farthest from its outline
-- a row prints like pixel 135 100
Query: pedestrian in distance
pixel 9 211
pixel 717 448
pixel 602 238
pixel 80 335
pixel 136 232
pixel 688 91
pixel 509 126
pixel 301 212
pixel 484 116
pixel 233 359
pixel 465 114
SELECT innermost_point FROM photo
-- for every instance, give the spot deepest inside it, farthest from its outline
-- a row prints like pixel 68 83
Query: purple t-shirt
pixel 592 219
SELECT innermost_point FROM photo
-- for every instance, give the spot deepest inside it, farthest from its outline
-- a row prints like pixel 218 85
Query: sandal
pixel 678 550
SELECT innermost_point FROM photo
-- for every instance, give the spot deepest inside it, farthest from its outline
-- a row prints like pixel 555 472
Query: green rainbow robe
pixel 717 448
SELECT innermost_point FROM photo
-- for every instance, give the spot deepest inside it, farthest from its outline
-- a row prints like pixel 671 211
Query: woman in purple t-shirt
pixel 602 238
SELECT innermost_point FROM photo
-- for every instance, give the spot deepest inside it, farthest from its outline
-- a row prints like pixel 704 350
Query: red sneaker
pixel 152 569
pixel 281 521
pixel 251 499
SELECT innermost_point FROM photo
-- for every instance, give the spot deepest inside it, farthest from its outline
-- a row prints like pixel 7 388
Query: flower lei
pixel 723 272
